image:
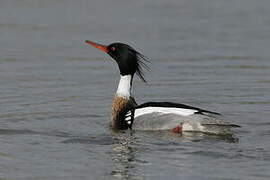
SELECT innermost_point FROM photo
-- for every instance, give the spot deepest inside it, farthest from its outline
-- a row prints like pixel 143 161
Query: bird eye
pixel 113 48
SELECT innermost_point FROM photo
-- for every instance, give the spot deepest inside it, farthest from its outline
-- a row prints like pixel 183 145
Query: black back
pixel 174 105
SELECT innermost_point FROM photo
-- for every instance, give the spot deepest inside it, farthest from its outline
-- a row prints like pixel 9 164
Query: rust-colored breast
pixel 120 105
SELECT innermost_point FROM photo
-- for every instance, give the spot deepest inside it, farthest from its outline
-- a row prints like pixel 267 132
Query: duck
pixel 126 113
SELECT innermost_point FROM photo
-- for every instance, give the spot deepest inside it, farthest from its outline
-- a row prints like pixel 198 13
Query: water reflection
pixel 125 159
pixel 196 136
pixel 128 150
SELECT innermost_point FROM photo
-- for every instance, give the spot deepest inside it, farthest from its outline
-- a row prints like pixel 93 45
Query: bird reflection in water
pixel 126 163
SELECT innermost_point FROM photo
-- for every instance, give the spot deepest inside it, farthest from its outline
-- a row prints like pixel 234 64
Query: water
pixel 56 91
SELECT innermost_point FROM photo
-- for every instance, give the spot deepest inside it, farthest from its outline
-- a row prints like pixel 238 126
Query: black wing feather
pixel 175 105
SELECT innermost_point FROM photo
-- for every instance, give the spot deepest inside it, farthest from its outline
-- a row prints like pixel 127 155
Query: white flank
pixel 124 86
pixel 164 110
pixel 193 127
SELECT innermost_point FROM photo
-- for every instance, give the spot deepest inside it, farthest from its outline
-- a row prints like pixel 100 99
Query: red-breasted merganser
pixel 127 114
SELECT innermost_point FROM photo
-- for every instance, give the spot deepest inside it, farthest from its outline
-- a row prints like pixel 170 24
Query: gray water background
pixel 55 91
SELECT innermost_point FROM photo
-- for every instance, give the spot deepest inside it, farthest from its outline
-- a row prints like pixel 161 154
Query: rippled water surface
pixel 55 91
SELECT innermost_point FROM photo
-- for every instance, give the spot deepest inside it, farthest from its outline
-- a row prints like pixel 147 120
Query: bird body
pixel 120 107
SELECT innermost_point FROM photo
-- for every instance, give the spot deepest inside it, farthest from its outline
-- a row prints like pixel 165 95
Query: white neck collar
pixel 124 86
